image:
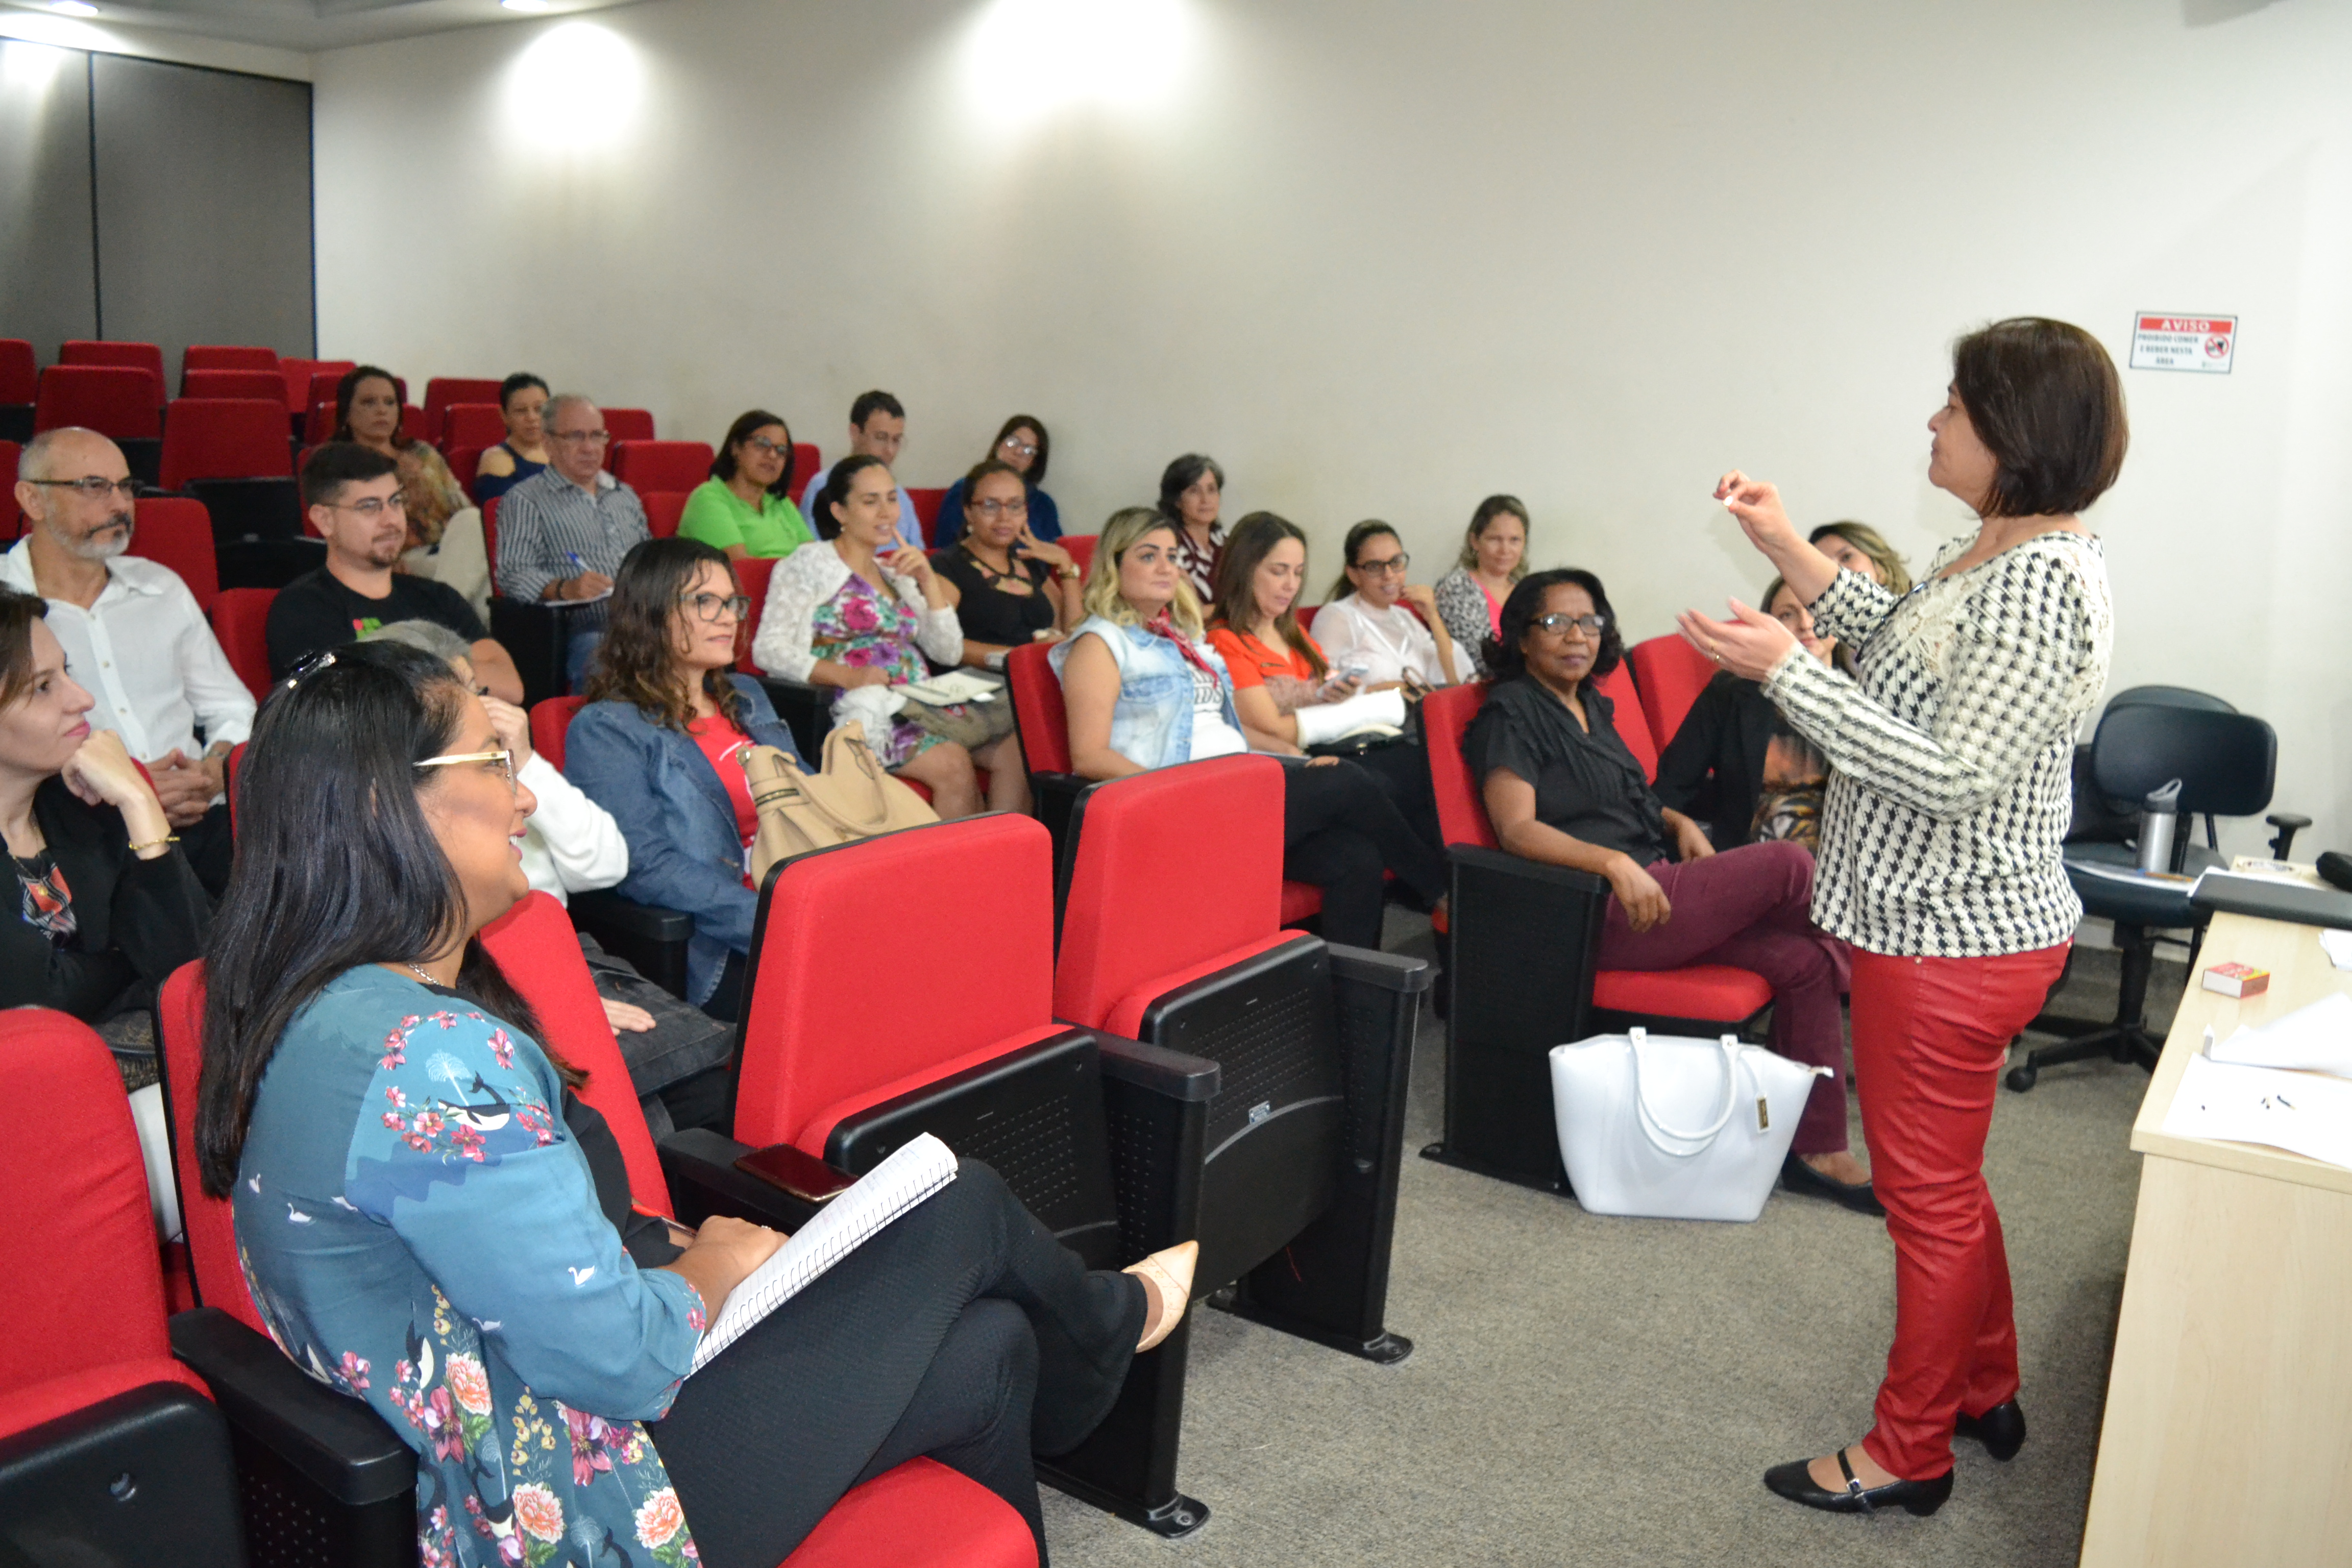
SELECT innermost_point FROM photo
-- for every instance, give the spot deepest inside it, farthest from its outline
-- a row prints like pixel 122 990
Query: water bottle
pixel 2158 814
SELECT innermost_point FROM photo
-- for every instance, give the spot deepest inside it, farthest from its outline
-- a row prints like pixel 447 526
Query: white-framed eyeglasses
pixel 503 757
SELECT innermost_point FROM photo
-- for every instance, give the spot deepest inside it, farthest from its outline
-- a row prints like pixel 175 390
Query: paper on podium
pixel 2303 1113
pixel 2317 1039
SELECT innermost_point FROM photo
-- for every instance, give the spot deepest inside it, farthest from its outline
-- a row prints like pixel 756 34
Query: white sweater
pixel 807 578
pixel 572 845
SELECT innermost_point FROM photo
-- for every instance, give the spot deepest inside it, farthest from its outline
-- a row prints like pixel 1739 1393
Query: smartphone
pixel 804 1176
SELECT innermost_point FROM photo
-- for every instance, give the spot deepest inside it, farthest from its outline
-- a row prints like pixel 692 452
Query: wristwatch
pixel 1069 574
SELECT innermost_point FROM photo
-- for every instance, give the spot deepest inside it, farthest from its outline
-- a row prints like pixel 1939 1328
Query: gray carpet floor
pixel 1589 1390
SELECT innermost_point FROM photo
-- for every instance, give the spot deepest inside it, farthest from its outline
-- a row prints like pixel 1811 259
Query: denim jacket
pixel 1152 724
pixel 684 851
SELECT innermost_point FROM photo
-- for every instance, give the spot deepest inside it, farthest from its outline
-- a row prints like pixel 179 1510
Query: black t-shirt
pixel 1587 786
pixel 316 612
pixel 989 614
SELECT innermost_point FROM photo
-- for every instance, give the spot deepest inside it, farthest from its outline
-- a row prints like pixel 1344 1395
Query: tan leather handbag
pixel 851 797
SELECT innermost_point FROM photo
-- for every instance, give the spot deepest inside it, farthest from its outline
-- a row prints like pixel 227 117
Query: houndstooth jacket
pixel 1951 757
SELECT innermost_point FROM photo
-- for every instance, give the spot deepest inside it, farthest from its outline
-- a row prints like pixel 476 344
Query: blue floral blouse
pixel 420 1232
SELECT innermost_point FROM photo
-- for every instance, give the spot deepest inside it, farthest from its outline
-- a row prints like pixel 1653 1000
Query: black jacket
pixel 137 920
pixel 1713 770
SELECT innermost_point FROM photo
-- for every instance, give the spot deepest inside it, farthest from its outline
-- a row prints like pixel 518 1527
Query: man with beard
pixel 132 634
pixel 355 503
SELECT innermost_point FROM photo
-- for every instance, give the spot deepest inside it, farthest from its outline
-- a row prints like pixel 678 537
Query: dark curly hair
pixel 637 662
pixel 1503 659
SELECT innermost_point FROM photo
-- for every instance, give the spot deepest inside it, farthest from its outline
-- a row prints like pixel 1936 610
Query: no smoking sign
pixel 2199 344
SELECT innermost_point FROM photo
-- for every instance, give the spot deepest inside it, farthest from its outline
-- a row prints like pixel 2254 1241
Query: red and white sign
pixel 2202 343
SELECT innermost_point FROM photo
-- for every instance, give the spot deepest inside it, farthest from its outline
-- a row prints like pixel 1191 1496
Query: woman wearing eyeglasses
pixel 1561 786
pixel 1022 446
pixel 1377 627
pixel 1016 588
pixel 1737 764
pixel 745 506
pixel 105 905
pixel 660 746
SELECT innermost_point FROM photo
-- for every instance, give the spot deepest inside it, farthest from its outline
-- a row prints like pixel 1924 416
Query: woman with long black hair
pixel 432 1221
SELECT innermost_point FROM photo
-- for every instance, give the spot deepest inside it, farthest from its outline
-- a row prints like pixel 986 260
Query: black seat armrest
pixel 1389 970
pixel 1173 1075
pixel 337 1441
pixel 703 1180
pixel 652 938
pixel 535 633
pixel 805 709
pixel 2288 824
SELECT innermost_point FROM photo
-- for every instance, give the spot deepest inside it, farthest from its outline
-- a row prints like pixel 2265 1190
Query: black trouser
pixel 1403 770
pixel 963 1331
pixel 1341 832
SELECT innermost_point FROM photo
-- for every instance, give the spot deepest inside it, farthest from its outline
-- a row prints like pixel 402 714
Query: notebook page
pixel 914 1170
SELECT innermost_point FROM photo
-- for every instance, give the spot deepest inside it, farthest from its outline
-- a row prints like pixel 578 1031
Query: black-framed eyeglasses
pixel 1394 566
pixel 773 449
pixel 1559 624
pixel 710 606
pixel 93 487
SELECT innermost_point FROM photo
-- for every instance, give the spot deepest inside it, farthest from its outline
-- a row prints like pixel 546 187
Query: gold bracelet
pixel 156 843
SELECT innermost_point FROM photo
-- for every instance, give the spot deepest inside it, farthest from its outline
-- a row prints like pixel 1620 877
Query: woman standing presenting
pixel 1949 797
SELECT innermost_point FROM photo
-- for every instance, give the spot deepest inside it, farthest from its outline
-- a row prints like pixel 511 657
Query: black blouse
pixel 989 614
pixel 1587 785
pixel 1714 768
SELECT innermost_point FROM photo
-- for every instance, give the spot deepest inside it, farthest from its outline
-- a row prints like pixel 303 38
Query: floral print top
pixel 866 629
pixel 419 1231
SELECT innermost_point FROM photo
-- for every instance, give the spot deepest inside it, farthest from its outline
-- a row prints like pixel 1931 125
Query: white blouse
pixel 1390 644
pixel 807 578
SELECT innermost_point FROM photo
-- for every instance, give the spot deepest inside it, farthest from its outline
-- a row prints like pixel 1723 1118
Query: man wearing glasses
pixel 878 428
pixel 132 634
pixel 563 532
pixel 354 499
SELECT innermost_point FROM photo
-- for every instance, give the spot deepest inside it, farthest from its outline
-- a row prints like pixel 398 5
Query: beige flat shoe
pixel 1167 1278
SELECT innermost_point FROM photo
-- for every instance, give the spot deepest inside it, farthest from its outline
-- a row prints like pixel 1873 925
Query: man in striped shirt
pixel 563 532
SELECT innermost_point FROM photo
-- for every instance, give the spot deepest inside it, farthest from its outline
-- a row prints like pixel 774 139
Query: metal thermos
pixel 2158 814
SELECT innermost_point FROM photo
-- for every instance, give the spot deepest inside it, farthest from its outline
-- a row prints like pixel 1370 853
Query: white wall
pixel 1383 258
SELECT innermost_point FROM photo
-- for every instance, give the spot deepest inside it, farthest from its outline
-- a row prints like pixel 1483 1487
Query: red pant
pixel 1931 1035
pixel 1752 908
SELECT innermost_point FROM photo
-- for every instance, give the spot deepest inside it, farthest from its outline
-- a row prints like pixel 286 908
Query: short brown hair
pixel 2045 400
pixel 18 611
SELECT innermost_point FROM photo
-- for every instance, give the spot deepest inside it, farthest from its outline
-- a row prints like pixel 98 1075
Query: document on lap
pixel 913 1172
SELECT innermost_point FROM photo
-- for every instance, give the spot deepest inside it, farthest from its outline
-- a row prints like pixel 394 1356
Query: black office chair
pixel 2226 762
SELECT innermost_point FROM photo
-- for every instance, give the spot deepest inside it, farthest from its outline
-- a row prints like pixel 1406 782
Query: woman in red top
pixel 1278 668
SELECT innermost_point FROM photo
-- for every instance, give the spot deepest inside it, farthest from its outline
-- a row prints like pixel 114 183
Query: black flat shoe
pixel 1795 1481
pixel 1800 1178
pixel 2000 1429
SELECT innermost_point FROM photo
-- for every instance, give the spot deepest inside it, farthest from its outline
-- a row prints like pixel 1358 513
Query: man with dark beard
pixel 132 634
pixel 355 499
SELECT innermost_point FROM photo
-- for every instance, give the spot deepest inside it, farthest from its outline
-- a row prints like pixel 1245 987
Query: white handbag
pixel 1673 1128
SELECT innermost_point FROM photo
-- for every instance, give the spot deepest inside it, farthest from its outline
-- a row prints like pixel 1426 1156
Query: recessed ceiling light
pixel 533 6
pixel 73 7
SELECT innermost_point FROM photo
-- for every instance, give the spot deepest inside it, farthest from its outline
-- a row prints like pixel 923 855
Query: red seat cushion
pixel 1714 992
pixel 22 1409
pixel 920 1515
pixel 1670 673
pixel 1300 901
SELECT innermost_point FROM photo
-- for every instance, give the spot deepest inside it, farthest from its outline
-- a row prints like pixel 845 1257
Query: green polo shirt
pixel 716 515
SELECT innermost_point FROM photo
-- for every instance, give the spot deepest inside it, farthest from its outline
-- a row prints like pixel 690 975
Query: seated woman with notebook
pixel 1144 689
pixel 660 744
pixel 433 1222
pixel 857 609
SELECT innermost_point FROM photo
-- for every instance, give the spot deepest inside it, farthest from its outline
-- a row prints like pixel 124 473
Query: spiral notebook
pixel 914 1170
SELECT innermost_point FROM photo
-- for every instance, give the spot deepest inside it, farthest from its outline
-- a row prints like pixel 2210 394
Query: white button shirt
pixel 144 651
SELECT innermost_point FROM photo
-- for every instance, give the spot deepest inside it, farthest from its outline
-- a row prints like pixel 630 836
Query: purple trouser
pixel 1752 908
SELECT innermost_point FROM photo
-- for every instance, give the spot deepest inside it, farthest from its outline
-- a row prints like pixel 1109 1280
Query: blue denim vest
pixel 1152 724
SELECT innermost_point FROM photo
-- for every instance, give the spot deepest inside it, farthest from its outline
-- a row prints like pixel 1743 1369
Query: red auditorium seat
pixel 118 401
pixel 1669 673
pixel 442 391
pixel 176 531
pixel 210 383
pixel 1632 728
pixel 225 357
pixel 550 718
pixel 1081 547
pixel 465 465
pixel 230 453
pixel 1523 970
pixel 662 510
pixel 626 424
pixel 98 351
pixel 927 510
pixel 241 622
pixel 807 463
pixel 89 1389
pixel 476 425
pixel 20 386
pixel 660 465
pixel 921 1514
pixel 806 709
pixel 1306 616
pixel 10 515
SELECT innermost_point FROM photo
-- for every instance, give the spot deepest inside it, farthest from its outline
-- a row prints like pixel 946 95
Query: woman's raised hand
pixel 1028 546
pixel 1748 644
pixel 512 726
pixel 1756 507
pixel 101 773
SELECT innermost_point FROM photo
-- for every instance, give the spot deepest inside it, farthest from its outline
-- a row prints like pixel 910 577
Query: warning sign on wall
pixel 2184 342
